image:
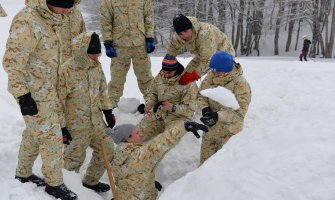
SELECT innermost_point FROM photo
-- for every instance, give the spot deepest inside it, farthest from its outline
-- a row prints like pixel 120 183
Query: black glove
pixel 209 117
pixel 159 103
pixel 66 136
pixel 28 105
pixel 158 186
pixel 109 118
pixel 140 108
pixel 194 127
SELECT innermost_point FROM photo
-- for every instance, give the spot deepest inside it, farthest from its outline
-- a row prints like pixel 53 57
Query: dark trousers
pixel 303 55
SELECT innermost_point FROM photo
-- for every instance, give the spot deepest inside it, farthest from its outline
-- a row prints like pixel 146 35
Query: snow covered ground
pixel 286 151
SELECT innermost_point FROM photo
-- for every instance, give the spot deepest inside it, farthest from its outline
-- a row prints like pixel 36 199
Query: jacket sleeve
pixel 154 151
pixel 62 94
pixel 20 44
pixel 202 101
pixel 149 19
pixel 106 20
pixel 242 93
pixel 104 99
pixel 152 95
pixel 185 107
pixel 174 47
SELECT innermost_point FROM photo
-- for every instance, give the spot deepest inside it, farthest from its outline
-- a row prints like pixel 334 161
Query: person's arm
pixel 148 14
pixel 103 93
pixel 152 96
pixel 174 47
pixel 189 96
pixel 106 20
pixel 62 94
pixel 20 44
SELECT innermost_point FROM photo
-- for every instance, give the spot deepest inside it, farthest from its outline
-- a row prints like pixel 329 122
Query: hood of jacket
pixel 43 10
pixel 79 48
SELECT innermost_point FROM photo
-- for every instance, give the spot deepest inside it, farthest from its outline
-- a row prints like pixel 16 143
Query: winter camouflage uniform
pixel 167 89
pixel 2 12
pixel 230 121
pixel 134 164
pixel 127 23
pixel 206 40
pixel 73 24
pixel 32 61
pixel 83 92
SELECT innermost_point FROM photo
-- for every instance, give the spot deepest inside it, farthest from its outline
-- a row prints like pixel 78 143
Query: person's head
pixel 305 37
pixel 126 133
pixel 221 63
pixel 94 48
pixel 183 27
pixel 171 67
pixel 60 6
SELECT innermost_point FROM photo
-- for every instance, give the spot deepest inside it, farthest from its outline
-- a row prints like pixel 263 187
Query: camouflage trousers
pixel 217 136
pixel 42 136
pixel 75 153
pixel 120 66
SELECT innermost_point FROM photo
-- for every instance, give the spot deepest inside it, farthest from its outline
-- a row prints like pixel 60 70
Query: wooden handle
pixel 109 172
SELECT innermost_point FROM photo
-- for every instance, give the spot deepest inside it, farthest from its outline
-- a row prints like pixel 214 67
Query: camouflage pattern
pixel 83 92
pixel 75 153
pixel 134 164
pixel 32 60
pixel 2 12
pixel 127 23
pixel 206 40
pixel 72 25
pixel 120 66
pixel 230 121
pixel 167 89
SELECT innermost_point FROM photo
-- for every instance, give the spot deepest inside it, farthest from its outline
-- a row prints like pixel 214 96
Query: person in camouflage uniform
pixel 2 12
pixel 127 28
pixel 175 100
pixel 223 121
pixel 134 163
pixel 83 93
pixel 201 39
pixel 32 60
pixel 72 25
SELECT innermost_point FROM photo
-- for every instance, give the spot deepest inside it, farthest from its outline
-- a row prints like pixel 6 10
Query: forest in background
pixel 251 24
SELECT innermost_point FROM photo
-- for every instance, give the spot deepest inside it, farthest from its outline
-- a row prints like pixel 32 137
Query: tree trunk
pixel 291 25
pixel 278 23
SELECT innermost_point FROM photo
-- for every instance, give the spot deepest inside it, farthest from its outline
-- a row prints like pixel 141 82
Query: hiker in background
pixel 305 48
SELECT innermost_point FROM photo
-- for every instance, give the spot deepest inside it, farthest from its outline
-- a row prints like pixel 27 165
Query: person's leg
pixel 208 146
pixel 305 55
pixel 142 68
pixel 119 68
pixel 150 126
pixel 75 153
pixel 96 167
pixel 300 57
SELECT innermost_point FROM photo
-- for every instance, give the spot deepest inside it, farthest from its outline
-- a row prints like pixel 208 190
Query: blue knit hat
pixel 221 62
pixel 169 63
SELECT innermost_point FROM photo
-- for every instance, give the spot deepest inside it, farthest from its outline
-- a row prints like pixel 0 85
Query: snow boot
pixel 100 187
pixel 61 192
pixel 33 179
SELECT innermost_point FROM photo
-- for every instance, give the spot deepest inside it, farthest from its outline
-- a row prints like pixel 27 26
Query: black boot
pixel 100 187
pixel 61 192
pixel 33 179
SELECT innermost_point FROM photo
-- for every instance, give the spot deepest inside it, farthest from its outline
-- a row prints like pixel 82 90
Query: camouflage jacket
pixel 32 56
pixel 134 164
pixel 206 40
pixel 72 25
pixel 127 23
pixel 82 88
pixel 169 89
pixel 235 82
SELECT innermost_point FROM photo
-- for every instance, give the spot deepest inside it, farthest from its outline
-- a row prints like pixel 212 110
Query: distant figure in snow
pixel 223 121
pixel 305 48
pixel 2 12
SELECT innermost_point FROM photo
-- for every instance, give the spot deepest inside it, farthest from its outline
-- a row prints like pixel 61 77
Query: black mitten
pixel 158 186
pixel 66 136
pixel 109 118
pixel 140 108
pixel 210 119
pixel 27 105
pixel 194 127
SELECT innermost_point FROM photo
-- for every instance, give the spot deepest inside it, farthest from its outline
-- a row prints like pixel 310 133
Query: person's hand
pixel 188 78
pixel 110 51
pixel 150 45
pixel 169 106
pixel 67 138
pixel 209 117
pixel 110 119
pixel 194 127
pixel 28 105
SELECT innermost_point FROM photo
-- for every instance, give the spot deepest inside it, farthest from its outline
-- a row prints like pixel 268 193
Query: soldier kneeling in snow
pixel 134 163
pixel 223 121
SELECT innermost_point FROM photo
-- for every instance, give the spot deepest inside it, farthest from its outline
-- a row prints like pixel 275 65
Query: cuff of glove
pixel 108 43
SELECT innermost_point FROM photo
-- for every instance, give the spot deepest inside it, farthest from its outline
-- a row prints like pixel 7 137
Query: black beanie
pixel 169 63
pixel 94 47
pixel 61 3
pixel 181 23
